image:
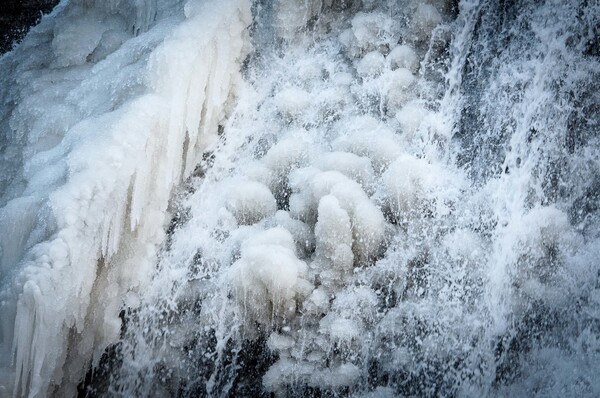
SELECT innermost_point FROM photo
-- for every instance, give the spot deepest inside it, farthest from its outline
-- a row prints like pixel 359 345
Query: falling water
pixel 401 199
pixel 487 278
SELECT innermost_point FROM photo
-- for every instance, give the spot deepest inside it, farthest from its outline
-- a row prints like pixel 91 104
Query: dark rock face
pixel 17 16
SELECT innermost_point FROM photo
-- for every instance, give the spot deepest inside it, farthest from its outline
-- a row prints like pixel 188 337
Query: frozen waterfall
pixel 297 198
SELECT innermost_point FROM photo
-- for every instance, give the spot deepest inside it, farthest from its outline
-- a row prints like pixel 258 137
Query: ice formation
pixel 366 199
pixel 109 124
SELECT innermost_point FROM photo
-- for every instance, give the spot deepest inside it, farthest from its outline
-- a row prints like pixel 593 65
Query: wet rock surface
pixel 17 16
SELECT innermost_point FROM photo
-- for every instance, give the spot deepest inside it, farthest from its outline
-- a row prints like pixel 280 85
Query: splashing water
pixel 400 199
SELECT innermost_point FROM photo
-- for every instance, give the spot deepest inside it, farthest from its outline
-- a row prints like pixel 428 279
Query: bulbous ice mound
pixel 329 234
pixel 268 279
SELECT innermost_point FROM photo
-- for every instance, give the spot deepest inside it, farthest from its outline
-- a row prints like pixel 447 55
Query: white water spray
pixel 367 199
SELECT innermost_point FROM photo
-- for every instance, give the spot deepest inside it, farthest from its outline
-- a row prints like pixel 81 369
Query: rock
pixel 18 16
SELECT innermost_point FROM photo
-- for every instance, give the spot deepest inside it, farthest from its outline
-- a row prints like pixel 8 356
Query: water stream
pixel 302 198
pixel 403 203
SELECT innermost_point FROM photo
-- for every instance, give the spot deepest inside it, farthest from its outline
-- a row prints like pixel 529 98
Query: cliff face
pixel 18 16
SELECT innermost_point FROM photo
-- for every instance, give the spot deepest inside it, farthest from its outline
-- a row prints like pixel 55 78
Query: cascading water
pixel 400 199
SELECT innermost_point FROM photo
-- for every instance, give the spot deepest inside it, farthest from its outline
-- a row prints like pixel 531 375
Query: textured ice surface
pixel 114 103
pixel 381 199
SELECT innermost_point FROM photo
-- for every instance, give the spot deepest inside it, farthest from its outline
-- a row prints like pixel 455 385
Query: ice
pixel 72 44
pixel 379 392
pixel 332 99
pixel 340 330
pixel 162 81
pixel 292 101
pixel 302 233
pixel 410 118
pixel 300 198
pixel 278 342
pixel 403 56
pixel 289 153
pixel 93 218
pixel 292 16
pixel 302 202
pixel 539 251
pixel 333 235
pixel 366 137
pixel 371 64
pixel 250 201
pixel 352 166
pixel 318 301
pixel 369 30
pixel 399 85
pixel 411 184
pixel 340 376
pixel 425 18
pixel 283 367
pixel 269 274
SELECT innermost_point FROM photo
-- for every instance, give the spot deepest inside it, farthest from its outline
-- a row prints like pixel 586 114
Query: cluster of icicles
pixel 113 104
pixel 323 239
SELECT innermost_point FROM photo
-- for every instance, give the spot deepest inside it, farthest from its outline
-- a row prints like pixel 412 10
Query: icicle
pixel 128 184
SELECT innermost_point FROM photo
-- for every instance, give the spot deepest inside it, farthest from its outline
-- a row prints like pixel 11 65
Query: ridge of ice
pixel 157 99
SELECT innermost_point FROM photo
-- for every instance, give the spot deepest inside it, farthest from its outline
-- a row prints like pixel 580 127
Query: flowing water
pixel 485 279
pixel 401 199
